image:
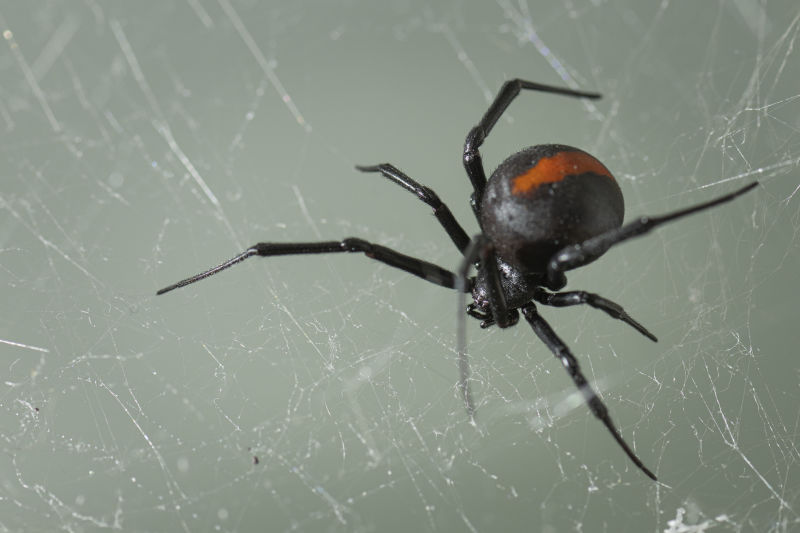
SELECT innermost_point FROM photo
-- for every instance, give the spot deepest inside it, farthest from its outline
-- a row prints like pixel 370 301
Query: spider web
pixel 143 142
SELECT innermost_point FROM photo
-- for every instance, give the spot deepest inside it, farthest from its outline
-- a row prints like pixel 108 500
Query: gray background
pixel 141 142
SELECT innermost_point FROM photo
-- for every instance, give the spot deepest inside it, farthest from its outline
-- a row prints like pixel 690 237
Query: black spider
pixel 545 210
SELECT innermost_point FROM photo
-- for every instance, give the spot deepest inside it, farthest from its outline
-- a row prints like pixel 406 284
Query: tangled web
pixel 143 142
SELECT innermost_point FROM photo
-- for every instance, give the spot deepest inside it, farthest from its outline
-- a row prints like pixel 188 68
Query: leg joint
pixel 475 139
pixel 429 197
pixel 352 244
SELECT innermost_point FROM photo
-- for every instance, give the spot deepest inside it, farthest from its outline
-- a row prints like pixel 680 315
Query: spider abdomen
pixel 544 198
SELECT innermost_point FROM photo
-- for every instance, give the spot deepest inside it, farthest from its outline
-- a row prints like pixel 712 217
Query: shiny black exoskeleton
pixel 545 210
pixel 537 202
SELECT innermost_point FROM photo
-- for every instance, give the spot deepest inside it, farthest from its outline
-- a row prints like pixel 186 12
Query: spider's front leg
pixel 563 354
pixel 418 267
pixel 612 309
pixel 479 253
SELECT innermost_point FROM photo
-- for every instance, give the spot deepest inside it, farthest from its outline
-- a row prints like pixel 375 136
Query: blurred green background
pixel 141 142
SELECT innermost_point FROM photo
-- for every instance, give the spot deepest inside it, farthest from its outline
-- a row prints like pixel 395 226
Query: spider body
pixel 546 210
pixel 544 198
pixel 518 286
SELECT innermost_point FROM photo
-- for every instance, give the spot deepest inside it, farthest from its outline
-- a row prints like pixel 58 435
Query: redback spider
pixel 547 209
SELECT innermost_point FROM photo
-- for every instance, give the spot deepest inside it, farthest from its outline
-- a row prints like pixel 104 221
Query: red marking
pixel 556 168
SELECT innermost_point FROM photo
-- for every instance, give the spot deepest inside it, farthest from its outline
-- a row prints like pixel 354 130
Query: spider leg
pixel 481 250
pixel 470 257
pixel 476 136
pixel 412 265
pixel 562 353
pixel 578 255
pixel 614 310
pixel 440 210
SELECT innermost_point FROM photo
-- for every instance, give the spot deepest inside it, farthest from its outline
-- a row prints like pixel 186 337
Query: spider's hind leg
pixel 477 135
pixel 577 255
pixel 427 195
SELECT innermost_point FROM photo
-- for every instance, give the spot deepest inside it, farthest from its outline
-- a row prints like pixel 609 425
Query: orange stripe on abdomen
pixel 556 168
